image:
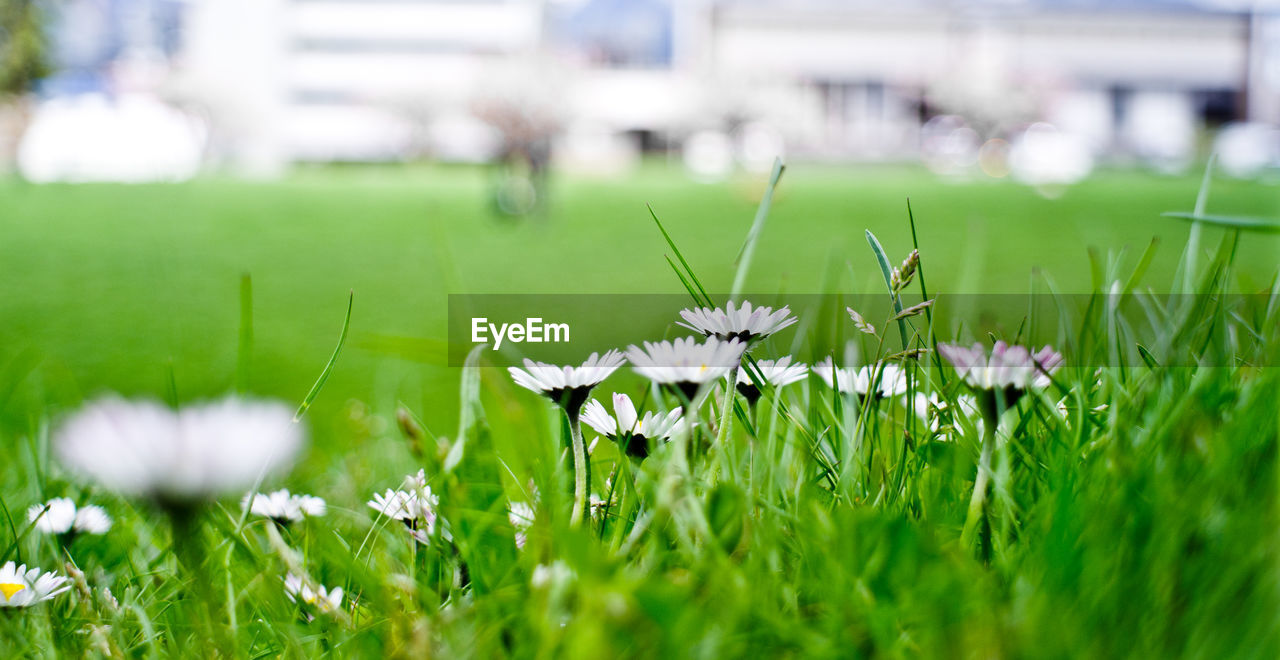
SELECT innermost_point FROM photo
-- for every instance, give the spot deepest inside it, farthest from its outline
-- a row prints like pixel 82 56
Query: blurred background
pixel 1040 90
pixel 158 152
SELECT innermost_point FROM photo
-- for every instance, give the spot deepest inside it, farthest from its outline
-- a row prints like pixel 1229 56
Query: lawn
pixel 1139 522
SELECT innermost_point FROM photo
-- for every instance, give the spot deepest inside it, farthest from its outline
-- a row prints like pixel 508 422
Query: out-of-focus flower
pixel 205 450
pixel 284 507
pixel 1010 368
pixel 775 372
pixel 625 427
pixel 890 380
pixel 684 363
pixel 746 323
pixel 567 386
pixel 521 515
pixel 20 587
pixel 60 515
pixel 942 416
pixel 324 600
pixel 557 573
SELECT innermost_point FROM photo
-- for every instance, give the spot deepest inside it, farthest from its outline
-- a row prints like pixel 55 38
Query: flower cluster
pixel 60 515
pixel 283 507
pixel 414 505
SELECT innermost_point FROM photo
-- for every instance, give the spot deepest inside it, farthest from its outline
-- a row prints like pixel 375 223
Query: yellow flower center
pixel 702 368
pixel 10 588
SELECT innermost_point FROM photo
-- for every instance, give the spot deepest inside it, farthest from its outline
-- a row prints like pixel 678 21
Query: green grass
pixel 1144 529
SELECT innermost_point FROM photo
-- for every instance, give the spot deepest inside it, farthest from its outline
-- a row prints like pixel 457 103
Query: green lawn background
pixel 110 288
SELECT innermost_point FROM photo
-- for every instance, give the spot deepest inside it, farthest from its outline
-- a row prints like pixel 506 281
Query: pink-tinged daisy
pixel 746 323
pixel 685 364
pixel 20 587
pixel 567 386
pixel 891 380
pixel 414 505
pixel 633 433
pixel 774 372
pixel 1012 370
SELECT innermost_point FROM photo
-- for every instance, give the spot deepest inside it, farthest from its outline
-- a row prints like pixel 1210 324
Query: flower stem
pixel 579 471
pixel 978 503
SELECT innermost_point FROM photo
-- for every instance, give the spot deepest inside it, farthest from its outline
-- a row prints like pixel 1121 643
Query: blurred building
pixel 283 81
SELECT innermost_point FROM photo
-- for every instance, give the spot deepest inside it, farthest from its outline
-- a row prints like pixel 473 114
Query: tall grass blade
pixel 706 299
pixel 328 368
pixel 745 254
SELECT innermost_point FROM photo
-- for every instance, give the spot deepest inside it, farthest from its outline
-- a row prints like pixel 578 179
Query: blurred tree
pixel 23 61
pixel 23 46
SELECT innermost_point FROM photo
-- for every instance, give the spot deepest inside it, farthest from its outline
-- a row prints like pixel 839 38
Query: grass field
pixel 1145 528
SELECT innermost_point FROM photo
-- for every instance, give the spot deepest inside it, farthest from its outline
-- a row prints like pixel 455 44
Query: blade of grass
pixel 328 368
pixel 887 271
pixel 688 271
pixel 745 254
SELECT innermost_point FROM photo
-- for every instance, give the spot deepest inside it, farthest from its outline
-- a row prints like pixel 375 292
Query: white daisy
pixel 324 600
pixel 745 323
pixel 144 448
pixel 1011 368
pixel 60 515
pixel 415 506
pixel 567 386
pixel 20 587
pixel 627 428
pixel 892 379
pixel 684 363
pixel 934 411
pixel 774 372
pixel 521 516
pixel 284 507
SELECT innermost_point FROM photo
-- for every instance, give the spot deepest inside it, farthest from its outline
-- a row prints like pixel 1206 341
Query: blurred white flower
pixel 777 373
pixel 627 428
pixel 935 411
pixel 1011 368
pixel 556 573
pixel 567 386
pixel 60 515
pixel 892 379
pixel 745 323
pixel 20 587
pixel 684 363
pixel 521 515
pixel 200 451
pixel 325 600
pixel 284 507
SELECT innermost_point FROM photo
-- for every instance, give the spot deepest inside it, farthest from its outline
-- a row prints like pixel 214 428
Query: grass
pixel 1143 528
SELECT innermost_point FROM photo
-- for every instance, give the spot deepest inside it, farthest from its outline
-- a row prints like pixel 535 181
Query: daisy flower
pixel 178 457
pixel 745 323
pixel 20 587
pixel 60 515
pixel 684 364
pixel 521 515
pixel 567 386
pixel 1013 369
pixel 284 507
pixel 774 372
pixel 892 379
pixel 625 427
pixel 325 600
pixel 415 506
